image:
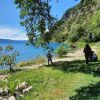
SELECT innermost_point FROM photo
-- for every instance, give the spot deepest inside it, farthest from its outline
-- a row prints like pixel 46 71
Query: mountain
pixel 78 22
pixel 10 40
pixel 5 39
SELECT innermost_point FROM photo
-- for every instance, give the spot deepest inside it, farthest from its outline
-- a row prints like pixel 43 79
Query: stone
pixel 12 98
pixel 4 92
pixel 27 89
pixel 1 91
pixel 18 94
pixel 1 98
pixel 4 99
pixel 21 86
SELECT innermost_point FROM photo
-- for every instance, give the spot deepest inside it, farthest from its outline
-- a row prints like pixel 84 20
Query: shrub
pixel 76 33
pixel 61 51
pixel 97 38
pixel 74 38
pixel 8 57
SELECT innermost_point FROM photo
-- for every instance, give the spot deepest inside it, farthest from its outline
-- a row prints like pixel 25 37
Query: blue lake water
pixel 26 52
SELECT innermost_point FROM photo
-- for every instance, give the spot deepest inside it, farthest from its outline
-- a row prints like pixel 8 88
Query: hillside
pixel 78 22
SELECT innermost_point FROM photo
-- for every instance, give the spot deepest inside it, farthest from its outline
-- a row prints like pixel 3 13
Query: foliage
pixel 59 37
pixel 77 32
pixel 81 20
pixel 8 56
pixel 37 20
pixel 41 26
pixel 61 51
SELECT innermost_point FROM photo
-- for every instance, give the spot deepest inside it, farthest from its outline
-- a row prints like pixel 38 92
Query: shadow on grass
pixel 78 66
pixel 91 92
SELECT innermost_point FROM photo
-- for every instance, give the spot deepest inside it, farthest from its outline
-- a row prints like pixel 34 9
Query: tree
pixel 8 57
pixel 37 20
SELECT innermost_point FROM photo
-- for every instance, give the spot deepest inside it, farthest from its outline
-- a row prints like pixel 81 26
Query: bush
pixel 61 51
pixel 74 38
pixel 8 57
pixel 76 33
pixel 97 38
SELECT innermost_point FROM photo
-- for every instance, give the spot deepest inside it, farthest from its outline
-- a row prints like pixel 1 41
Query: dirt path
pixel 76 55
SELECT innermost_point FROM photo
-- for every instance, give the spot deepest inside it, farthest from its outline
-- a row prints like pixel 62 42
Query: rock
pixel 12 98
pixel 4 92
pixel 27 89
pixel 18 94
pixel 1 98
pixel 1 91
pixel 4 99
pixel 21 86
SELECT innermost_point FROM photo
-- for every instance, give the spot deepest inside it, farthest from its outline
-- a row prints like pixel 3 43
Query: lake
pixel 26 52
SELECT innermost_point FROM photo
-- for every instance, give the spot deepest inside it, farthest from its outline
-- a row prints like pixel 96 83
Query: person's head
pixel 87 45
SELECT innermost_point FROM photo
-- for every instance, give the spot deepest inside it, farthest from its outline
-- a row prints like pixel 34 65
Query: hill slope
pixel 79 21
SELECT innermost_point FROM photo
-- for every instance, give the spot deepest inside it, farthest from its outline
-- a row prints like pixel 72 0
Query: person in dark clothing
pixel 49 57
pixel 88 53
pixel 94 57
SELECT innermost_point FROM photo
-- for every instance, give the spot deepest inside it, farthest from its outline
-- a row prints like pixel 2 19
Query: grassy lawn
pixel 63 80
pixel 57 82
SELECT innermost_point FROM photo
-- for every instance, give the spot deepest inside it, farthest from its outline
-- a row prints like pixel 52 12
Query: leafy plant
pixel 36 18
pixel 61 51
pixel 8 57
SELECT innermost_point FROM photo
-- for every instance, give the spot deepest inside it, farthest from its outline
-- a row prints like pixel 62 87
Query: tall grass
pixel 38 60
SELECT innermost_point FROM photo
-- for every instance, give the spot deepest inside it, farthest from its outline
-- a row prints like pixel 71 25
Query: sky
pixel 10 27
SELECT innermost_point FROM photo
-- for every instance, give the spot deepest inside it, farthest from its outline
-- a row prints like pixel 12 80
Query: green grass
pixel 63 80
pixel 2 72
pixel 56 82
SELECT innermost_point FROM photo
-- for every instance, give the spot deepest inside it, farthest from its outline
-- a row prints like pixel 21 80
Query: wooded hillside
pixel 78 22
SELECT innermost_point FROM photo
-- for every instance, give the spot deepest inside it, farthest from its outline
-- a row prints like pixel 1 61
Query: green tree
pixel 8 57
pixel 37 20
pixel 61 50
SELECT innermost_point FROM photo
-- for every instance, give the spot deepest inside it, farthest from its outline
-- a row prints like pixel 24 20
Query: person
pixel 49 57
pixel 94 57
pixel 88 53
